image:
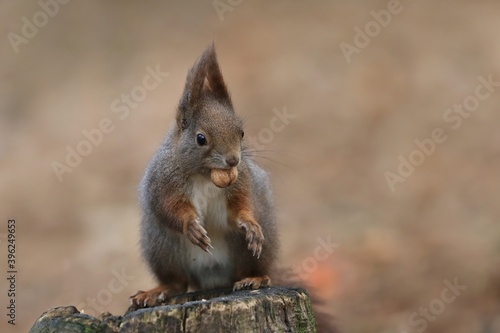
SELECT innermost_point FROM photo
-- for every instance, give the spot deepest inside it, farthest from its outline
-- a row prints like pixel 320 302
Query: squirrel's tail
pixel 325 321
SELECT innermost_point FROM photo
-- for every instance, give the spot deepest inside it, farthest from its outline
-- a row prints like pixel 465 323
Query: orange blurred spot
pixel 325 281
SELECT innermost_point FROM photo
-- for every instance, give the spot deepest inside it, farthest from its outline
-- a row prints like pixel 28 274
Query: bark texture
pixel 275 309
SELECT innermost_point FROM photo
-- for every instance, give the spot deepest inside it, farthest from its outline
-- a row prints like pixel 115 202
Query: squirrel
pixel 208 217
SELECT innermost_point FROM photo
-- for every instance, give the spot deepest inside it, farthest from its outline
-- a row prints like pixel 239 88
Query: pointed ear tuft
pixel 216 84
pixel 204 77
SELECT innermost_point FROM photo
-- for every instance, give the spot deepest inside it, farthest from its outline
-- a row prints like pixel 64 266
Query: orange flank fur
pixel 183 212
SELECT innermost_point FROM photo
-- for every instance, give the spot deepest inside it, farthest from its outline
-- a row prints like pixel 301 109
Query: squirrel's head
pixel 208 132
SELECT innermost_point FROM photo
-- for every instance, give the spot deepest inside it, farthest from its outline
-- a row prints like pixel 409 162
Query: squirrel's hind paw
pixel 253 283
pixel 150 298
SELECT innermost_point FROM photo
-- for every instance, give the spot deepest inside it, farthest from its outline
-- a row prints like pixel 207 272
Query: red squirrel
pixel 208 218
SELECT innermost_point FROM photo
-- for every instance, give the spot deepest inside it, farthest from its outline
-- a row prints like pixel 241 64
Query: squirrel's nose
pixel 232 161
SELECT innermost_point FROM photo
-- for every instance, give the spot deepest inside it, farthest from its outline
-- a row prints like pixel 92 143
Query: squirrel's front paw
pixel 254 236
pixel 198 235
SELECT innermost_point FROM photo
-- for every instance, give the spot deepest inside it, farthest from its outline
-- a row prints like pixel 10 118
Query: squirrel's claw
pixel 210 246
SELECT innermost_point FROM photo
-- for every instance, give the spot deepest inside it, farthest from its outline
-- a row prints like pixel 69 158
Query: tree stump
pixel 276 309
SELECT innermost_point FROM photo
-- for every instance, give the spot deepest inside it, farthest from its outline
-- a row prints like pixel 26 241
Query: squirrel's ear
pixel 203 78
pixel 214 83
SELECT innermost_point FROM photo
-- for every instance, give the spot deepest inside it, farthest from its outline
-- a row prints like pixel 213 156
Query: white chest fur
pixel 210 203
pixel 210 270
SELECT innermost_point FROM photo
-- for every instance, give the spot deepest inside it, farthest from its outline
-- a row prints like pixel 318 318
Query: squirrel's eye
pixel 242 134
pixel 200 139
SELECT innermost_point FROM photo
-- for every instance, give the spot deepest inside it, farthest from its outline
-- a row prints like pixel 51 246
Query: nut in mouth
pixel 224 177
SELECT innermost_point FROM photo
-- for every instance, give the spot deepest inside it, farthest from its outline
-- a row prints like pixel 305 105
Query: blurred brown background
pixel 393 249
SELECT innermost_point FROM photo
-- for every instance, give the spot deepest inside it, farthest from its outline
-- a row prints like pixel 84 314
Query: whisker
pixel 267 158
pixel 283 152
pixel 281 171
pixel 279 168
